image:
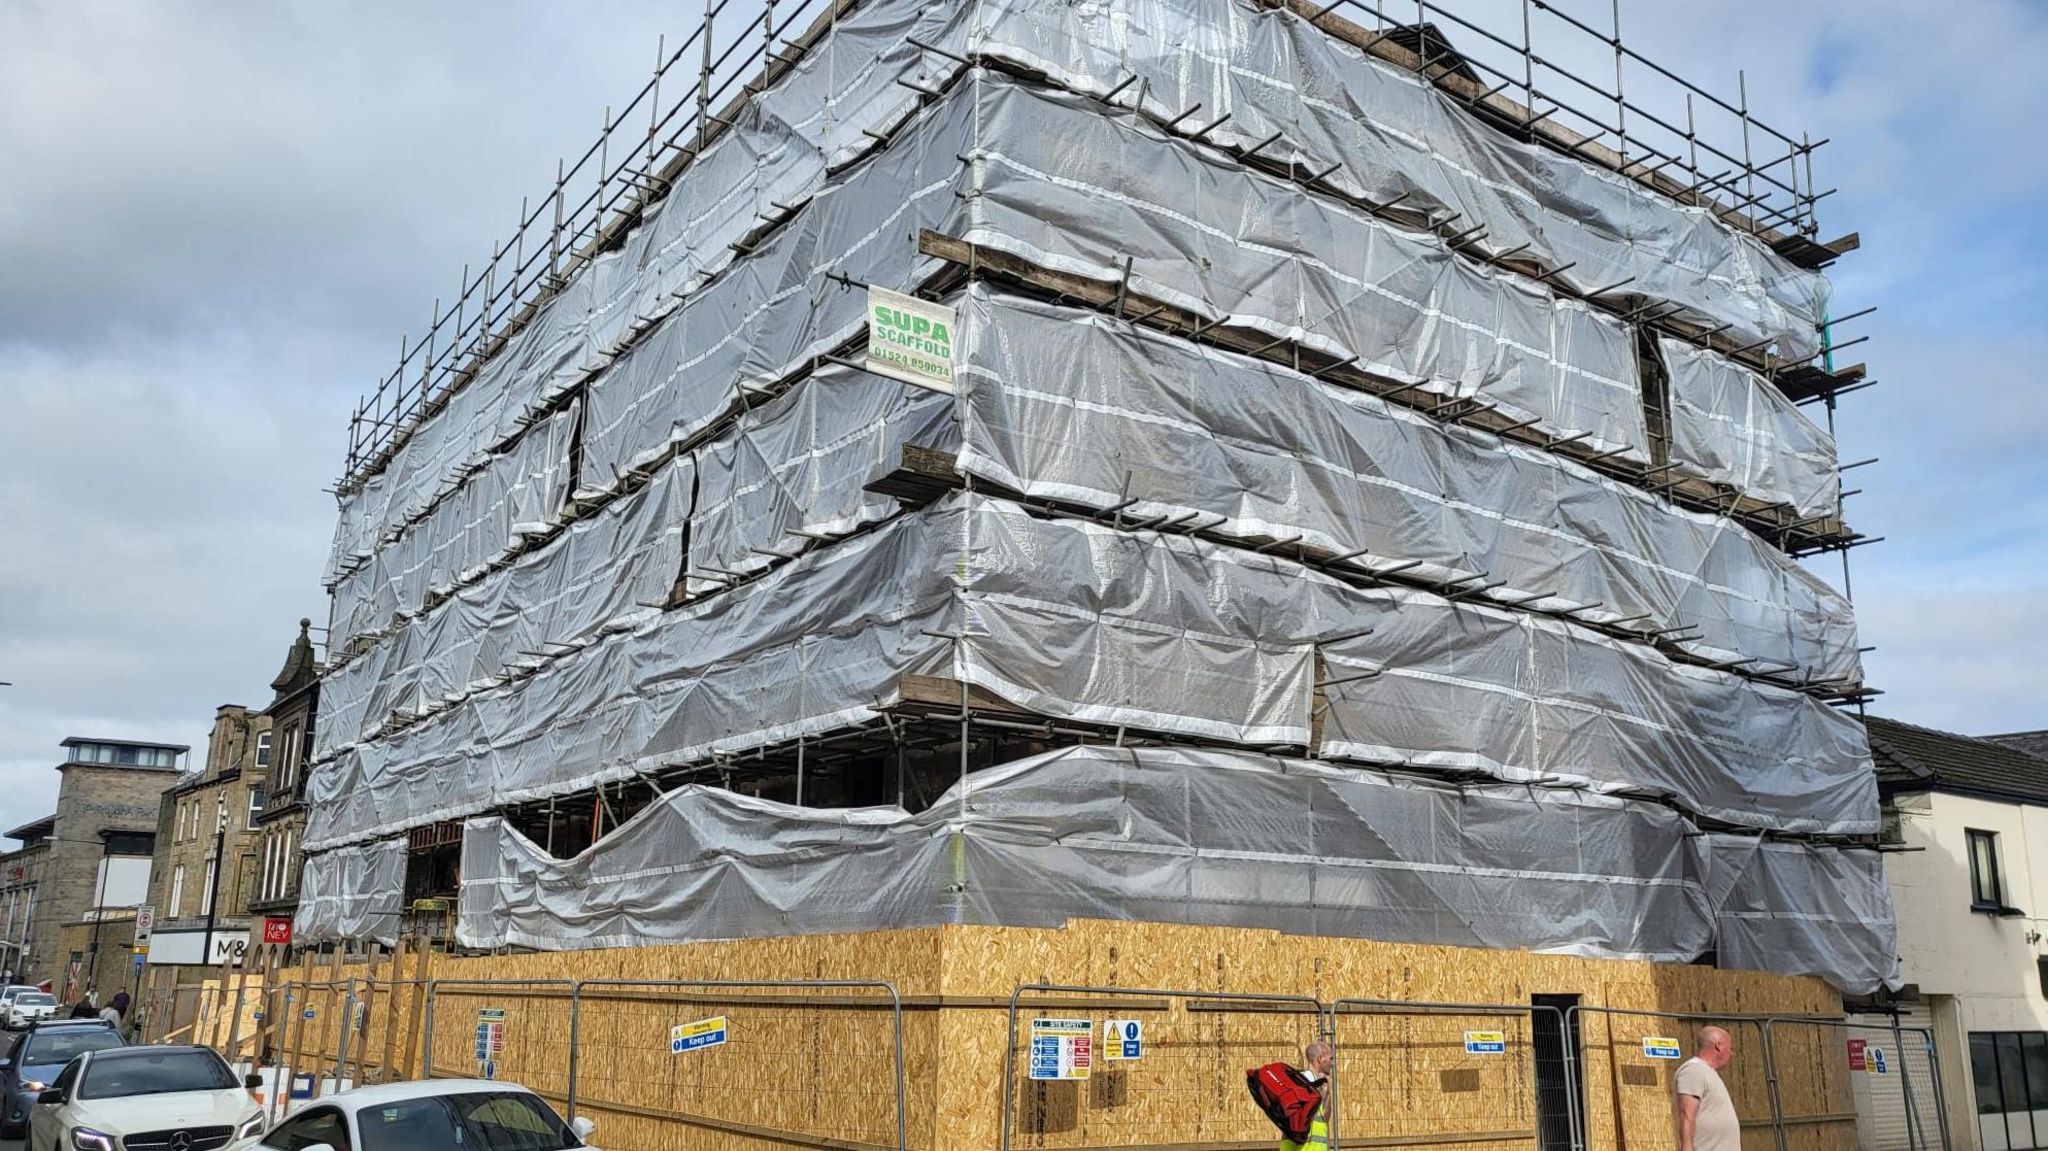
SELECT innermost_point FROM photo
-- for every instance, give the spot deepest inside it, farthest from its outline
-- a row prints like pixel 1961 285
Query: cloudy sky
pixel 217 220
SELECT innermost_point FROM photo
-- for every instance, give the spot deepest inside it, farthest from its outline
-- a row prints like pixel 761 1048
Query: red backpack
pixel 1288 1097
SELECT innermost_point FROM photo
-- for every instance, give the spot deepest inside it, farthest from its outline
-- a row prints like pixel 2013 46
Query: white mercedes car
pixel 145 1099
pixel 29 1006
pixel 431 1115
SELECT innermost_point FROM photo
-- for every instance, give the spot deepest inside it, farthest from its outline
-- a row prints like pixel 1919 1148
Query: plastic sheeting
pixel 816 117
pixel 602 573
pixel 1800 910
pixel 1076 406
pixel 811 647
pixel 1158 633
pixel 1732 426
pixel 1166 633
pixel 1178 836
pixel 1078 191
pixel 512 496
pixel 797 467
pixel 1396 135
pixel 1393 134
pixel 787 473
pixel 1197 230
pixel 353 893
pixel 769 316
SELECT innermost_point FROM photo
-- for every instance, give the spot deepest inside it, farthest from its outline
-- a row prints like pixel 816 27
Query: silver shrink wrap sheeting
pixel 795 468
pixel 1211 642
pixel 1396 136
pixel 1108 196
pixel 1800 909
pixel 768 316
pixel 816 116
pixel 1732 426
pixel 1160 633
pixel 1392 134
pixel 601 573
pixel 811 647
pixel 1071 405
pixel 1176 836
pixel 355 892
pixel 1183 836
pixel 510 497
pixel 1196 229
pixel 787 472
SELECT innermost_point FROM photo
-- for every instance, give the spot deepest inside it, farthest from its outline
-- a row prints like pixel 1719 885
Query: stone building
pixel 206 846
pixel 81 871
pixel 281 824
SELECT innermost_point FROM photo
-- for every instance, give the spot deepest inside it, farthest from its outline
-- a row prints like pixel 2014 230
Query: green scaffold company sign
pixel 910 339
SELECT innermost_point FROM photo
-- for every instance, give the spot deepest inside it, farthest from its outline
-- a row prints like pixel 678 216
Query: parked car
pixel 37 1057
pixel 8 992
pixel 432 1115
pixel 146 1099
pixel 28 1007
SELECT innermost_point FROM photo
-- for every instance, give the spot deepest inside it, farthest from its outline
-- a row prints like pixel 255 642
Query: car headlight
pixel 253 1125
pixel 87 1139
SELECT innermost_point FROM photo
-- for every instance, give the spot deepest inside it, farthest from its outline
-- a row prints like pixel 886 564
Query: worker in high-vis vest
pixel 1318 1060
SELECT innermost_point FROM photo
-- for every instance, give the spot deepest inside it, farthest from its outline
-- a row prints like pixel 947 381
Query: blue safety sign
pixel 696 1036
pixel 1660 1047
pixel 1486 1043
pixel 1878 1066
pixel 1123 1039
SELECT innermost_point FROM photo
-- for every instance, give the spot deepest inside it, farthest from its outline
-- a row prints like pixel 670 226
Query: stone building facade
pixel 281 825
pixel 83 869
pixel 205 867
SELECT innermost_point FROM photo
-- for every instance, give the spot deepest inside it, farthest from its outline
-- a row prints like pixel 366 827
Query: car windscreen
pixel 474 1121
pixel 55 1048
pixel 35 999
pixel 146 1072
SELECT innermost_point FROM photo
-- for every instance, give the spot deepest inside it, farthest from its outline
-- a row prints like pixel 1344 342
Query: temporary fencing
pixel 1445 1072
pixel 1880 1075
pixel 523 1030
pixel 1185 1076
pixel 757 1058
pixel 822 1063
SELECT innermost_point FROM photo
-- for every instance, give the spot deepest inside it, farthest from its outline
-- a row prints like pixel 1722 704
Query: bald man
pixel 1319 1059
pixel 1706 1116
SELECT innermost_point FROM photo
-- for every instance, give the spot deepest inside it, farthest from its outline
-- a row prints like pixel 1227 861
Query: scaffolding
pixel 634 515
pixel 1764 183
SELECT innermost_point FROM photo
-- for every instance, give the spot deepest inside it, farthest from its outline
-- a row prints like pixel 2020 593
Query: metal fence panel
pixel 1632 1057
pixel 1186 1086
pixel 522 1030
pixel 820 1060
pixel 1450 1073
pixel 1873 1078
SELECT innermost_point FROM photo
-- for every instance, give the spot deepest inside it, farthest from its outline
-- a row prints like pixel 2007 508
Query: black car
pixel 40 1053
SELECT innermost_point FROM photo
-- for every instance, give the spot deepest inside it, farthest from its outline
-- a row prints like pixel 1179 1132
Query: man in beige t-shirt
pixel 1706 1116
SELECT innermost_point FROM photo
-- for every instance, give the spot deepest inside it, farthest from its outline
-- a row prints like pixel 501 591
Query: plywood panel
pixel 812 1068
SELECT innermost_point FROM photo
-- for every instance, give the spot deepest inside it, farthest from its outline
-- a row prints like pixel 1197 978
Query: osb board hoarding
pixel 815 1069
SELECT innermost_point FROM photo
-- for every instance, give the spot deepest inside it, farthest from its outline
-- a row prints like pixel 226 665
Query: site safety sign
pixel 1062 1048
pixel 1486 1043
pixel 1123 1039
pixel 1660 1046
pixel 697 1035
